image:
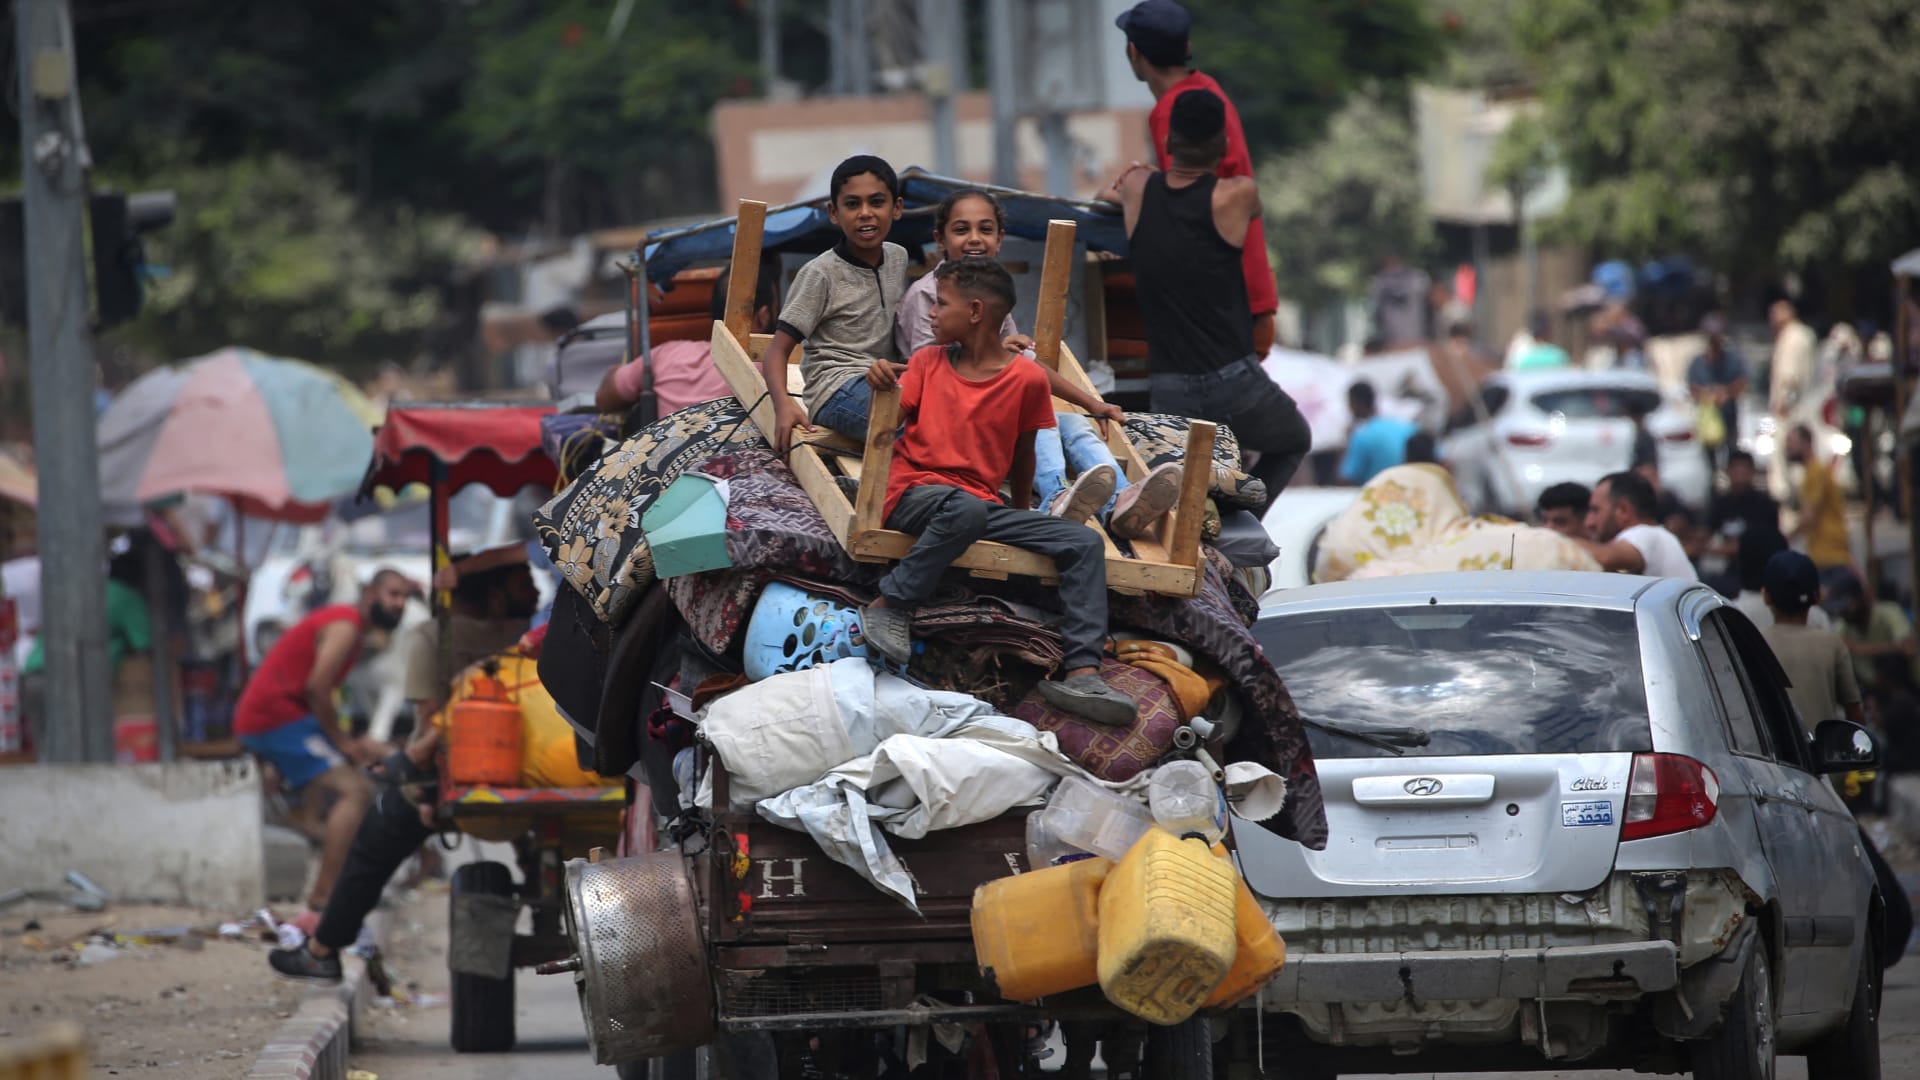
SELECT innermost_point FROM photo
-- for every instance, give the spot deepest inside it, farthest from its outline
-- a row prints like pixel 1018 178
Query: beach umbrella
pixel 280 438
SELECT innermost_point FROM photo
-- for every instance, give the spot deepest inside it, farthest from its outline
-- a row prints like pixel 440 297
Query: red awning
pixel 477 442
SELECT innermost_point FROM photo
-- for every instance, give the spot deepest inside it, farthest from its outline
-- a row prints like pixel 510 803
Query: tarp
pixel 1908 265
pixel 478 442
pixel 805 228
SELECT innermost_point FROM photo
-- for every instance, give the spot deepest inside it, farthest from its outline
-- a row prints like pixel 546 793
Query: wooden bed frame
pixel 1168 562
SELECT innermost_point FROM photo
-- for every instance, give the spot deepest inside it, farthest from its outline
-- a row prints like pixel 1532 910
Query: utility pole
pixel 770 44
pixel 73 625
pixel 1000 83
pixel 943 74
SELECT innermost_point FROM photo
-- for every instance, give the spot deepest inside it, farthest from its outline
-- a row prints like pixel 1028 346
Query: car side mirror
pixel 1842 746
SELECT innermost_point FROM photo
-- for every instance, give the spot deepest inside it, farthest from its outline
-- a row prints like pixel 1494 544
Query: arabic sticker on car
pixel 1575 814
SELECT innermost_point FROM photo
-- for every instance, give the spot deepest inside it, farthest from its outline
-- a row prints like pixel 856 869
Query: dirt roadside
pixel 197 1008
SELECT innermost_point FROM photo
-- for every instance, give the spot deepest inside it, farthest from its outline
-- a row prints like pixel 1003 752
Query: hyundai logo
pixel 1423 785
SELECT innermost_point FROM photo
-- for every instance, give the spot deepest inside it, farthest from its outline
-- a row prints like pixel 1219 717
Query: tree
pixel 1290 67
pixel 1335 209
pixel 273 254
pixel 1762 133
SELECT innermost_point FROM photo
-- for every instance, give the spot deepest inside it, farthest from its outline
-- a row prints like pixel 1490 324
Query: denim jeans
pixel 1241 396
pixel 846 410
pixel 1074 446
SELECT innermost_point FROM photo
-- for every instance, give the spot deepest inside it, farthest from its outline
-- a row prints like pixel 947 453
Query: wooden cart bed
pixel 1169 562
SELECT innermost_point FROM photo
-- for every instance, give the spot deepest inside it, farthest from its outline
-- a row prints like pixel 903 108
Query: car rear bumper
pixel 1616 970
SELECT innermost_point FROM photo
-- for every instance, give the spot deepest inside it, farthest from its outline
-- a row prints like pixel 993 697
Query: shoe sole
pixel 1156 496
pixel 1109 713
pixel 877 644
pixel 1087 494
pixel 308 980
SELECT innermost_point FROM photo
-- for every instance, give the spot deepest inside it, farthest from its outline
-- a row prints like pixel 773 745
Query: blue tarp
pixel 804 227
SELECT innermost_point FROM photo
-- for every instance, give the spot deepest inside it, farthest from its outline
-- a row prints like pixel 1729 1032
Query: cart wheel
pixel 1181 1052
pixel 482 1008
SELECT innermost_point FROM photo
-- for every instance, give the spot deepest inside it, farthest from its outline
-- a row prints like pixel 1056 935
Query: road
pixel 412 1045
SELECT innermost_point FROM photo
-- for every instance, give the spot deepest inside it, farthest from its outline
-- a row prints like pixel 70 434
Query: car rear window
pixel 1478 679
pixel 1597 402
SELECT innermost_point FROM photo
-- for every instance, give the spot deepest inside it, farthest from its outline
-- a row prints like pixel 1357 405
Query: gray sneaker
pixel 1143 503
pixel 890 631
pixel 1084 497
pixel 1087 697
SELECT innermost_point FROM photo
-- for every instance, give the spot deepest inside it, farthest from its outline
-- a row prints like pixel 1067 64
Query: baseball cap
pixel 1158 28
pixel 1792 580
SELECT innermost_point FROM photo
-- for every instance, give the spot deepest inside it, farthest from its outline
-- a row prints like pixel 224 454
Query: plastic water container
pixel 486 735
pixel 1082 816
pixel 1038 933
pixel 1259 953
pixel 1167 921
pixel 1186 802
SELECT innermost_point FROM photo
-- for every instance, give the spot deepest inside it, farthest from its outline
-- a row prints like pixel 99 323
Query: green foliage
pixel 1289 67
pixel 1335 209
pixel 1759 132
pixel 270 253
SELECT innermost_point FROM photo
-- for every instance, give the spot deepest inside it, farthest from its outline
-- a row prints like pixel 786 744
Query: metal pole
pixel 1053 132
pixel 770 43
pixel 837 45
pixel 941 77
pixel 1000 83
pixel 1903 453
pixel 859 48
pixel 72 552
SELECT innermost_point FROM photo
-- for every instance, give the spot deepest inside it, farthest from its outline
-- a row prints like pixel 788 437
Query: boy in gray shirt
pixel 842 305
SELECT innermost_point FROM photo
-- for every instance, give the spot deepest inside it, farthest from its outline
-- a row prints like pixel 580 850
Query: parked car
pixel 1294 523
pixel 1573 817
pixel 1568 424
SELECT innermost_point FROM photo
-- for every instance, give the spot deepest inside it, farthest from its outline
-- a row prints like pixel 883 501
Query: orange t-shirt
pixel 962 433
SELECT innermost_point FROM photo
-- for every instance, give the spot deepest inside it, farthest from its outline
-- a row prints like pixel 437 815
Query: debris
pixel 86 885
pixel 361 1074
pixel 94 952
pixel 233 930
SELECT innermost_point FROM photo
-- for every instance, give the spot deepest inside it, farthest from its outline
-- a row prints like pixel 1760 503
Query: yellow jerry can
pixel 1038 933
pixel 1166 927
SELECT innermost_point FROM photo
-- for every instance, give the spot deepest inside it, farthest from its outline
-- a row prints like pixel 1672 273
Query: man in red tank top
pixel 1157 48
pixel 286 715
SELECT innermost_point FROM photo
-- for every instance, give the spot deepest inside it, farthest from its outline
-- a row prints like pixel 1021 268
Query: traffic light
pixel 119 257
pixel 117 223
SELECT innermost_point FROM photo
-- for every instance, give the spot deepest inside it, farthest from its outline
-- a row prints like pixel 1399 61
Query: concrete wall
pixel 186 833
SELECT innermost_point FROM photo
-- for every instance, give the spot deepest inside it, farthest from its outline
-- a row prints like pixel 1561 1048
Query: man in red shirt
pixel 971 408
pixel 286 715
pixel 1158 50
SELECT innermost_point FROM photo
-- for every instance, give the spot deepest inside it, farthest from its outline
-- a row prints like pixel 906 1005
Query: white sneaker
pixel 1146 502
pixel 1084 497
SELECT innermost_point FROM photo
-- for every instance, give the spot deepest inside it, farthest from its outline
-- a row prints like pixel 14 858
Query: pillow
pixel 1162 437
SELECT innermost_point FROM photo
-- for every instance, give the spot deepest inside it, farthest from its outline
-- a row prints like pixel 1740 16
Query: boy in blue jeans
pixel 970 408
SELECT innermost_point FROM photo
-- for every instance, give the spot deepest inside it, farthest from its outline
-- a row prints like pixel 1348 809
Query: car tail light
pixel 1685 435
pixel 1830 412
pixel 1527 438
pixel 1668 793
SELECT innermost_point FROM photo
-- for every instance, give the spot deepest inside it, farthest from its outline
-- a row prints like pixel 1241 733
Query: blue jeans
pixel 1075 443
pixel 846 410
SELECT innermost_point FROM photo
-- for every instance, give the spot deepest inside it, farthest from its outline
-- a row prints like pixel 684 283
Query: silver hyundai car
pixel 1573 816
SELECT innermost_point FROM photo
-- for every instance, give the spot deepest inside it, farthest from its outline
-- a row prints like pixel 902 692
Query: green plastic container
pixel 686 527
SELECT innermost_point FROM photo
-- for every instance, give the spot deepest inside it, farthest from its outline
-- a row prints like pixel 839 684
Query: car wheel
pixel 1853 1051
pixel 1181 1052
pixel 1743 1047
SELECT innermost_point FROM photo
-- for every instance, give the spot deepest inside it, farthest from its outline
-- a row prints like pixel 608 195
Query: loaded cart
pixel 756 926
pixel 447 447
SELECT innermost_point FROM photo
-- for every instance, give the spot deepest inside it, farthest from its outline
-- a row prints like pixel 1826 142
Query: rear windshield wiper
pixel 1390 739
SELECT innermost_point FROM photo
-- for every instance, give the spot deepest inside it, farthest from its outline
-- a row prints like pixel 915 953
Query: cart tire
pixel 482 1008
pixel 1181 1052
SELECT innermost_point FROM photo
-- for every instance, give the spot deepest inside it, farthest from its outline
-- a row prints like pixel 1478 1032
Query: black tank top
pixel 1188 281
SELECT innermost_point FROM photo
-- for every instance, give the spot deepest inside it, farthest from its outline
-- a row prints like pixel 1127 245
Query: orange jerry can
pixel 485 734
pixel 1259 956
pixel 1038 933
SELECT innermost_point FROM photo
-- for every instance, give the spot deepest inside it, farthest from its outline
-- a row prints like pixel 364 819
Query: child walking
pixel 842 305
pixel 971 409
pixel 969 223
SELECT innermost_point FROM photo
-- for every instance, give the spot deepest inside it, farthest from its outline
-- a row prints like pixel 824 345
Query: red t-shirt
pixel 276 694
pixel 1262 297
pixel 962 433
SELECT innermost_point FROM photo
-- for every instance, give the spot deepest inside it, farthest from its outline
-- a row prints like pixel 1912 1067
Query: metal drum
pixel 639 964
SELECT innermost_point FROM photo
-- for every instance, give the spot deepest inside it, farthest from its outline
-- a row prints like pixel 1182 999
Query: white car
pixel 1294 524
pixel 1568 424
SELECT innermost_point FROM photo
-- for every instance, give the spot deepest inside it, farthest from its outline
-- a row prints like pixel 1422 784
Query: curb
pixel 313 1043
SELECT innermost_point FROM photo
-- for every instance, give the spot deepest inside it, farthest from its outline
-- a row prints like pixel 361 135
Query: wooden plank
pixel 1056 274
pixel 748 230
pixel 1131 463
pixel 1124 575
pixel 1184 544
pixel 745 381
pixel 883 423
pixel 757 347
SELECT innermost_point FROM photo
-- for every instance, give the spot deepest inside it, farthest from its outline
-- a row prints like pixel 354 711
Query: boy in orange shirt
pixel 971 408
